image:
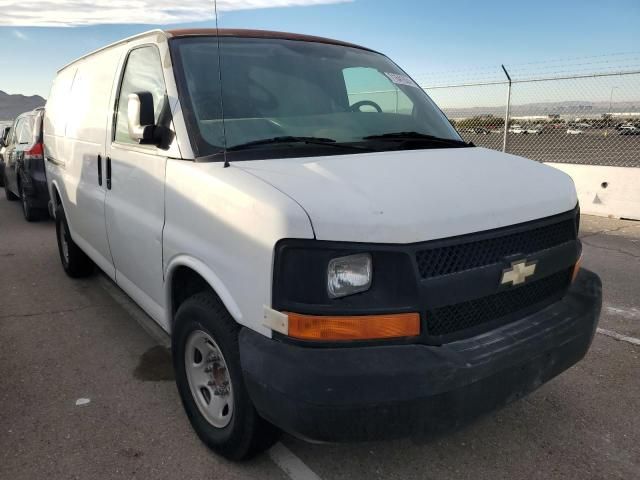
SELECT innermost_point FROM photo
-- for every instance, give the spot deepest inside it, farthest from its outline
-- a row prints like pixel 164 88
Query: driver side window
pixel 143 73
pixel 370 88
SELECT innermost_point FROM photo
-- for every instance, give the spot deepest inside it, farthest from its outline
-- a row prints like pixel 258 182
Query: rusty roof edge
pixel 248 33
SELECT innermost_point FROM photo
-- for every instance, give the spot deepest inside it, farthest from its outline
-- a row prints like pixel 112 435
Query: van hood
pixel 417 195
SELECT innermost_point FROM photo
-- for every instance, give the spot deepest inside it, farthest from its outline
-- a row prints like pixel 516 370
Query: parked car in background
pixel 535 130
pixel 476 131
pixel 518 129
pixel 325 264
pixel 24 171
pixel 4 134
pixel 630 131
pixel 574 131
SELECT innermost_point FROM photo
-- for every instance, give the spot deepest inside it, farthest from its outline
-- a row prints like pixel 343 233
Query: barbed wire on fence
pixel 607 63
pixel 556 115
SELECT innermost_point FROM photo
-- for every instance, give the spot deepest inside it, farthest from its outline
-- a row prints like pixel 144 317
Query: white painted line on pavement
pixel 290 464
pixel 617 336
pixel 629 313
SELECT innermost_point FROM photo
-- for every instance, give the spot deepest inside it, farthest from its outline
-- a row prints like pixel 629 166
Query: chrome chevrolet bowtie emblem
pixel 518 272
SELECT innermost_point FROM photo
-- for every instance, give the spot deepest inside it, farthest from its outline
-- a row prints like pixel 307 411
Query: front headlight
pixel 349 275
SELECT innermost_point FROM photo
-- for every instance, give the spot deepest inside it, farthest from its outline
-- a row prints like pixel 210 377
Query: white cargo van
pixel 327 254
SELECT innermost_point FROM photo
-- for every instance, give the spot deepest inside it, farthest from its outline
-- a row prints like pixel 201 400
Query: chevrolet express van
pixel 327 254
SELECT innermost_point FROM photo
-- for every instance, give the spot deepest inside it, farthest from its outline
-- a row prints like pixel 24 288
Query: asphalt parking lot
pixel 86 391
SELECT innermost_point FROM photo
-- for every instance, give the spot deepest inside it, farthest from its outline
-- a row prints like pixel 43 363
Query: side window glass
pixel 369 85
pixel 9 139
pixel 143 73
pixel 23 132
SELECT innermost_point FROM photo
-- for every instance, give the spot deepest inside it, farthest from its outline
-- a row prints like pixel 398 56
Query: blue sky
pixel 422 36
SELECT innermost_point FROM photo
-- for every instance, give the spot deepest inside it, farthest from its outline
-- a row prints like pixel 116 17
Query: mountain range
pixel 13 105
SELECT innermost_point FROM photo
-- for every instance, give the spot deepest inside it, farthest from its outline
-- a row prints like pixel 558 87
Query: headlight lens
pixel 349 275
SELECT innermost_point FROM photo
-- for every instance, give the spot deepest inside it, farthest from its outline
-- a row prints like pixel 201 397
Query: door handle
pixel 108 173
pixel 99 169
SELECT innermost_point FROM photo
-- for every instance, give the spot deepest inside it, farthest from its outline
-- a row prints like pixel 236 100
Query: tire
pixel 74 261
pixel 9 194
pixel 30 214
pixel 245 434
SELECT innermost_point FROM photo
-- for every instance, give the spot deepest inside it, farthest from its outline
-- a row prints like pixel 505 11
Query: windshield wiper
pixel 330 142
pixel 417 136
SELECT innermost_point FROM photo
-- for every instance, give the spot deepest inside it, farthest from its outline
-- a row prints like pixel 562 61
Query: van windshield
pixel 307 97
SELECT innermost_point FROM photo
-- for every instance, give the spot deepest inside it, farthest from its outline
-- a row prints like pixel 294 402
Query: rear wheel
pixel 74 261
pixel 9 194
pixel 206 359
pixel 30 214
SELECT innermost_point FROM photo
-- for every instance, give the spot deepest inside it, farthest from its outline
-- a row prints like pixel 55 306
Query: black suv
pixel 4 134
pixel 24 171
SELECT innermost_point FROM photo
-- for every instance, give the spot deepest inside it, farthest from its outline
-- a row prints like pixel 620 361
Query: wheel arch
pixel 56 198
pixel 194 276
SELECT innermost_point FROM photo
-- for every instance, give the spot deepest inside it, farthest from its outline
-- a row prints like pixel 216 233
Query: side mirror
pixel 141 118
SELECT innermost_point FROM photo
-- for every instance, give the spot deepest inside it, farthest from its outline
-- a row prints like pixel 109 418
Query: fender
pixel 209 276
pixel 54 189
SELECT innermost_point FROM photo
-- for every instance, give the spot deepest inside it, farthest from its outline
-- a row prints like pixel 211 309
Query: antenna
pixel 224 129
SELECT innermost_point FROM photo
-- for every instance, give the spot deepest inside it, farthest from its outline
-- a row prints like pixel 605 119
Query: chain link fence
pixel 583 118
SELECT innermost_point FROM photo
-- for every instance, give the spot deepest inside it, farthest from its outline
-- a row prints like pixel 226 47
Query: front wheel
pixel 74 261
pixel 206 360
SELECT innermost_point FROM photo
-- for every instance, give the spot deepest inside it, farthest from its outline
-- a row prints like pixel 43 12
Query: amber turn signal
pixel 576 269
pixel 366 327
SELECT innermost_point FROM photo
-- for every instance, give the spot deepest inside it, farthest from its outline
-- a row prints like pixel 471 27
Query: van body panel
pixel 86 116
pixel 134 212
pixel 239 220
pixel 417 195
pixel 134 219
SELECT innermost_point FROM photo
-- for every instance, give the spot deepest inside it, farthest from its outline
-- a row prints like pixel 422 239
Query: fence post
pixel 507 113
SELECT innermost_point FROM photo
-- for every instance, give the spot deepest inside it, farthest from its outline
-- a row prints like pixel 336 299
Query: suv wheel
pixel 30 213
pixel 74 261
pixel 206 360
pixel 9 194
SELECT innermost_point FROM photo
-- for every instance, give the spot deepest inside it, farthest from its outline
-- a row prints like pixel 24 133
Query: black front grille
pixel 462 316
pixel 439 261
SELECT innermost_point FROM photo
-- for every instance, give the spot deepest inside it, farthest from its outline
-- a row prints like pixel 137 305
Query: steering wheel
pixel 365 103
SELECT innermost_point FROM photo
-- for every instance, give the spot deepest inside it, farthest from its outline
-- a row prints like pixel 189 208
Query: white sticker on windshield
pixel 401 79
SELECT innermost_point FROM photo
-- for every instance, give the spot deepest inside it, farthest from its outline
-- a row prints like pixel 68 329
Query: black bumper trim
pixel 354 394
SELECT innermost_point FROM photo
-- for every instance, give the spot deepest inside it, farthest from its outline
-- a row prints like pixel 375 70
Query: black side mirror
pixel 141 117
pixel 141 121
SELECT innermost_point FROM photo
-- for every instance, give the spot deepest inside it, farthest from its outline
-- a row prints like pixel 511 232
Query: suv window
pixel 24 131
pixel 143 73
pixel 9 137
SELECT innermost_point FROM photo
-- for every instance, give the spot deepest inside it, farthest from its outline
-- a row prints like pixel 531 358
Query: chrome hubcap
pixel 209 379
pixel 64 246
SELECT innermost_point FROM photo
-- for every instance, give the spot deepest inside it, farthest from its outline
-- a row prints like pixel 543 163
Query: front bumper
pixel 366 393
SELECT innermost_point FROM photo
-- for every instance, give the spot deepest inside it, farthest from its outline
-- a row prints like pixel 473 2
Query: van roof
pixel 222 32
pixel 232 32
